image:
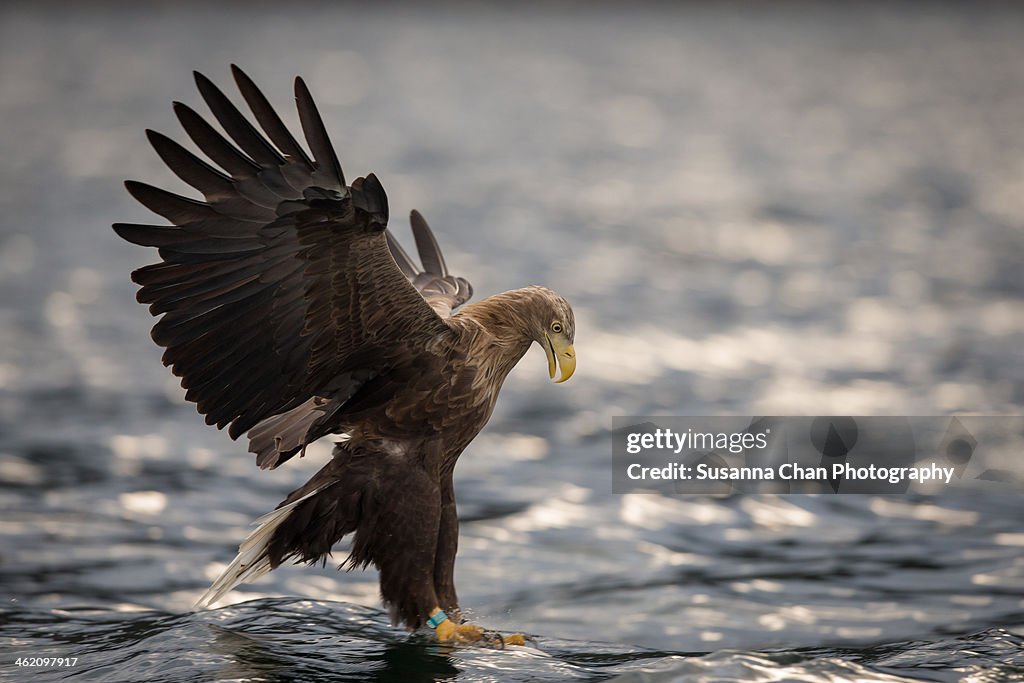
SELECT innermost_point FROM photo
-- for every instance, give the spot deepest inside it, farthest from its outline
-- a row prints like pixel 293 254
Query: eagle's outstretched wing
pixel 279 294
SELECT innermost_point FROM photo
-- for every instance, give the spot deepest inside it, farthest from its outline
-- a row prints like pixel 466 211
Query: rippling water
pixel 291 640
pixel 802 209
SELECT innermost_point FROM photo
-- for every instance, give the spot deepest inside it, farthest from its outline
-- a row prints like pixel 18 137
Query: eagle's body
pixel 291 314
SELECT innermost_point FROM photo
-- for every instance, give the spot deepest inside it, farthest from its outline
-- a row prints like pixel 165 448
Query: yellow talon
pixel 449 631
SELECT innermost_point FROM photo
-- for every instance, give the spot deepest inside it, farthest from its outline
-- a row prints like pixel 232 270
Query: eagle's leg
pixel 447 547
pixel 455 629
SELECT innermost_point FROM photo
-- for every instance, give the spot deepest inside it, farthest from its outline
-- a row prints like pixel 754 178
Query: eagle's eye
pixel 556 327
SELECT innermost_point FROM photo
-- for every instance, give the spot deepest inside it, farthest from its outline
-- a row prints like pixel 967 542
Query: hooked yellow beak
pixel 566 356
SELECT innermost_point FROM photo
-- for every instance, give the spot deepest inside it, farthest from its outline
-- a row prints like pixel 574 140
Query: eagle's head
pixel 554 328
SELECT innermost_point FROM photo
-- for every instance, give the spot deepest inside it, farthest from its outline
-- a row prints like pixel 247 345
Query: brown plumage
pixel 291 313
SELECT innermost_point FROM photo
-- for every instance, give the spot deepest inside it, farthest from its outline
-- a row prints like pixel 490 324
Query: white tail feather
pixel 252 561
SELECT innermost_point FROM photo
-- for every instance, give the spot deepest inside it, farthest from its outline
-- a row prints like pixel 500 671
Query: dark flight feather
pixel 214 145
pixel 328 172
pixel 426 245
pixel 236 126
pixel 269 120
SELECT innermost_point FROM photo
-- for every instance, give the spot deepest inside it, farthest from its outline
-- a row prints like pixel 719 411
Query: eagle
pixel 291 313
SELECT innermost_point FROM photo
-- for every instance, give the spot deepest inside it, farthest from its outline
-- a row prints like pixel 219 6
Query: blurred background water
pixel 754 209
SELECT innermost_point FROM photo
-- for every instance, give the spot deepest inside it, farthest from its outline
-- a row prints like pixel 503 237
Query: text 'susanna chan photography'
pixel 512 342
